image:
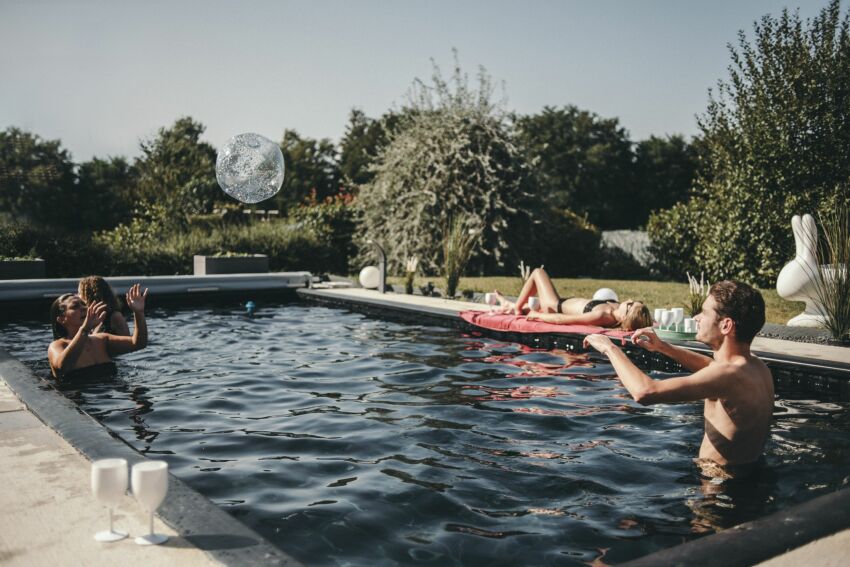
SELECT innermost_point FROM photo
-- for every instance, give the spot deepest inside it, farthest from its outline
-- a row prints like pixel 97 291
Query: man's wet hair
pixel 741 303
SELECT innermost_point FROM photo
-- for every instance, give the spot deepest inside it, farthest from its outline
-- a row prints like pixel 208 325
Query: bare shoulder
pixel 58 345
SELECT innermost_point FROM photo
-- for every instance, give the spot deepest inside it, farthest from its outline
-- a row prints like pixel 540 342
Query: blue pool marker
pixel 250 307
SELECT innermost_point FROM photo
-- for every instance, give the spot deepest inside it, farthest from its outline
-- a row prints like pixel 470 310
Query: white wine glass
pixel 150 484
pixel 534 303
pixel 491 300
pixel 666 318
pixel 678 316
pixel 657 315
pixel 109 483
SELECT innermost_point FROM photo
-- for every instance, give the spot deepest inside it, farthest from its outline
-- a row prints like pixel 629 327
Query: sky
pixel 102 76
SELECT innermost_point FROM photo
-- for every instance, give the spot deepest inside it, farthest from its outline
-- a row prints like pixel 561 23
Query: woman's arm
pixel 600 319
pixel 121 344
pixel 63 355
pixel 118 324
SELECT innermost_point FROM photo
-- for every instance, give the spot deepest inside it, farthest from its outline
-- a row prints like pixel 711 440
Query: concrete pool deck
pixel 49 513
pixel 784 532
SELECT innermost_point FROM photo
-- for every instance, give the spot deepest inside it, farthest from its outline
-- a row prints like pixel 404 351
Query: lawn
pixel 655 294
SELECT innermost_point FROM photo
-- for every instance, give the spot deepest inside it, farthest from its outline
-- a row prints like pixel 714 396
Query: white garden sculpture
pixel 796 281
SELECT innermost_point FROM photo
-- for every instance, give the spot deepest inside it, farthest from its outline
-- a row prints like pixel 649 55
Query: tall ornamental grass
pixel 458 245
pixel 832 281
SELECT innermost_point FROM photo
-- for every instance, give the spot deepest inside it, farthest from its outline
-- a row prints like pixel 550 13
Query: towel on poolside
pixel 521 324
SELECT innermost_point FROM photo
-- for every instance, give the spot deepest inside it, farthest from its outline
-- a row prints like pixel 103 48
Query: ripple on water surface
pixel 349 440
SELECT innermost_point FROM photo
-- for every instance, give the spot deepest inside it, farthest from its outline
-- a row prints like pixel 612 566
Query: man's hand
pixel 647 338
pixel 95 314
pixel 136 299
pixel 600 342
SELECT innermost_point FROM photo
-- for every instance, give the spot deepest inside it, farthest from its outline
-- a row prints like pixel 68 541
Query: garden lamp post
pixel 382 266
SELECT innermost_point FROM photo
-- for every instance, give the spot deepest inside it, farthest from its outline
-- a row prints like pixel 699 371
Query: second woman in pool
pixel 628 315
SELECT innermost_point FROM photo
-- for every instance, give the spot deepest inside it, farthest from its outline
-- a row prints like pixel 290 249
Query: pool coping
pixel 744 544
pixel 196 518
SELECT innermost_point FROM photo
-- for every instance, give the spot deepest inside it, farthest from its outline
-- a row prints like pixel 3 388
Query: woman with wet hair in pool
pixel 94 289
pixel 628 315
pixel 77 352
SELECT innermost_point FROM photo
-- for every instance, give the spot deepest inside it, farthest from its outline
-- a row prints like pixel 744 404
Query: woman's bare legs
pixel 540 284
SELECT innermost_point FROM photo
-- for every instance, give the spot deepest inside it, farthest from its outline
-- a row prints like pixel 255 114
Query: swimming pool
pixel 345 439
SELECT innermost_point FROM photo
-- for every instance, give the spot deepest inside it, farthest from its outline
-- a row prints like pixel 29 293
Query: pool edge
pixel 192 515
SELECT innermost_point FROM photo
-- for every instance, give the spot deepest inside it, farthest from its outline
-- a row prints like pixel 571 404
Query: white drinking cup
pixel 150 484
pixel 690 325
pixel 109 483
pixel 657 315
pixel 678 316
pixel 534 303
pixel 666 318
pixel 491 299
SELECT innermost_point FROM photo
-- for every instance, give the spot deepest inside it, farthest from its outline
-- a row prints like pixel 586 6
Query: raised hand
pixel 647 338
pixel 136 298
pixel 95 315
pixel 600 342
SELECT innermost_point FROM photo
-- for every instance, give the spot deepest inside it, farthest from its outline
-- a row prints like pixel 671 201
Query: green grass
pixel 655 294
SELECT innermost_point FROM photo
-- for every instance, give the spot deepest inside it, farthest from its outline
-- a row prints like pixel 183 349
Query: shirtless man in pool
pixel 75 350
pixel 736 385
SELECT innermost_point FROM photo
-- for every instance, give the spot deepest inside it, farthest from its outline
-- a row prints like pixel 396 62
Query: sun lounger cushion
pixel 521 324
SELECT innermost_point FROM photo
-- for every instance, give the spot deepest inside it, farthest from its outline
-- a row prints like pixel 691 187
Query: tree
pixel 360 145
pixel 107 188
pixel 777 136
pixel 177 171
pixel 584 163
pixel 310 166
pixel 664 172
pixel 452 155
pixel 37 180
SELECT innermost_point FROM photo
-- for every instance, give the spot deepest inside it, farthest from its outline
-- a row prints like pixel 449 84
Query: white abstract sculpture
pixel 796 281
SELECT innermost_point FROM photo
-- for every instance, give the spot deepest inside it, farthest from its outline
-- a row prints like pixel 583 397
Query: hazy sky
pixel 100 76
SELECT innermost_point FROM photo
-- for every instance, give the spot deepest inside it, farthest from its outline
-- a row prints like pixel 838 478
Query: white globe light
pixel 249 168
pixel 605 294
pixel 370 277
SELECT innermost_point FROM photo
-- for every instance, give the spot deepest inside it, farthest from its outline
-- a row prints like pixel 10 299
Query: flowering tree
pixel 451 155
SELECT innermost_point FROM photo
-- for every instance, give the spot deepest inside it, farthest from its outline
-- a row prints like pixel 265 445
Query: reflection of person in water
pixel 736 385
pixel 77 353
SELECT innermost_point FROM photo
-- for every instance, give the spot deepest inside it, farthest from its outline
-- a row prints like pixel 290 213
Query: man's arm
pixel 647 339
pixel 709 382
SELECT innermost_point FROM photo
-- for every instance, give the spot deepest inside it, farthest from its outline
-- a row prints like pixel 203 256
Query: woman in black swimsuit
pixel 76 349
pixel 628 315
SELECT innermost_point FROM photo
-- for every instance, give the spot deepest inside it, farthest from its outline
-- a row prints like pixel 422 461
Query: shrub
pixel 674 234
pixel 333 223
pixel 133 250
pixel 452 155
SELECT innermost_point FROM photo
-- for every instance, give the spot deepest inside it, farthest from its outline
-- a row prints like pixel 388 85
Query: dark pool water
pixel 350 440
